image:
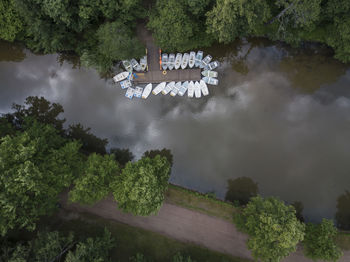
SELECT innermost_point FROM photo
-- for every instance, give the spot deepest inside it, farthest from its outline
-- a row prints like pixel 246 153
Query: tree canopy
pixel 140 187
pixel 10 21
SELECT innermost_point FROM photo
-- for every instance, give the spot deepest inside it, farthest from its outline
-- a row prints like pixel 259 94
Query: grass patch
pixel 131 240
pixel 343 240
pixel 204 203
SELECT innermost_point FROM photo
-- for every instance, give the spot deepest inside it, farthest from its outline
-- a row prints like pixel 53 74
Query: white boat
pixel 183 88
pixel 159 88
pixel 212 65
pixel 209 73
pixel 185 59
pixel 198 60
pixel 143 63
pixel 130 93
pixel 175 89
pixel 164 61
pixel 146 91
pixel 127 65
pixel 121 76
pixel 168 88
pixel 135 65
pixel 178 60
pixel 197 90
pixel 204 88
pixel 190 89
pixel 138 92
pixel 206 61
pixel 125 84
pixel 192 59
pixel 210 81
pixel 171 61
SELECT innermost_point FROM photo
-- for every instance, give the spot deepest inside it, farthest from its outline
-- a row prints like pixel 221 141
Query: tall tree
pixel 140 187
pixel 319 242
pixel 35 166
pixel 122 155
pixel 273 229
pixel 10 21
pixel 94 183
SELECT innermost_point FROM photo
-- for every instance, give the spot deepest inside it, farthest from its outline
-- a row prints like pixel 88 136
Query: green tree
pixel 164 152
pixel 10 21
pixel 122 155
pixel 94 183
pixel 273 229
pixel 319 242
pixel 181 258
pixel 241 189
pixel 230 19
pixel 138 258
pixel 140 187
pixel 35 166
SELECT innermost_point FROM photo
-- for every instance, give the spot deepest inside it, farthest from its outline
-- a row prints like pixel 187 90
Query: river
pixel 279 116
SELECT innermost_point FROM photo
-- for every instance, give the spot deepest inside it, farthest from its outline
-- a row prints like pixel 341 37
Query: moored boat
pixel 190 89
pixel 175 89
pixel 147 90
pixel 192 59
pixel 130 93
pixel 206 61
pixel 164 61
pixel 210 81
pixel 121 76
pixel 171 61
pixel 198 59
pixel 185 59
pixel 197 90
pixel 210 73
pixel 138 92
pixel 159 88
pixel 212 65
pixel 135 65
pixel 178 60
pixel 204 88
pixel 143 63
pixel 127 65
pixel 168 88
pixel 183 88
pixel 125 84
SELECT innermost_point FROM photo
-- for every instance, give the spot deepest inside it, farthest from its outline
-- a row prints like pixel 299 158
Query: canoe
pixel 185 59
pixel 204 88
pixel 175 89
pixel 168 88
pixel 206 61
pixel 121 76
pixel 125 84
pixel 198 59
pixel 171 61
pixel 209 73
pixel 135 65
pixel 143 63
pixel 212 65
pixel 164 61
pixel 183 88
pixel 197 90
pixel 192 59
pixel 190 89
pixel 130 93
pixel 127 65
pixel 146 91
pixel 159 88
pixel 178 60
pixel 138 92
pixel 210 81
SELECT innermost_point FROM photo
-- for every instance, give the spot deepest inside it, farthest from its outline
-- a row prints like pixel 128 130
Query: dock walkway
pixel 154 74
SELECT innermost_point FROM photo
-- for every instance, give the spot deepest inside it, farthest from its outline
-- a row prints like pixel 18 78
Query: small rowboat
pixel 175 89
pixel 164 61
pixel 121 76
pixel 210 81
pixel 168 88
pixel 192 59
pixel 183 88
pixel 130 93
pixel 138 92
pixel 206 61
pixel 197 90
pixel 198 60
pixel 178 60
pixel 127 65
pixel 171 62
pixel 146 91
pixel 185 59
pixel 212 65
pixel 159 88
pixel 204 88
pixel 135 65
pixel 209 73
pixel 143 63
pixel 190 89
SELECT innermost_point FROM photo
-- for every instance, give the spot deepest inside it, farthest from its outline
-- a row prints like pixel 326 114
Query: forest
pixel 103 32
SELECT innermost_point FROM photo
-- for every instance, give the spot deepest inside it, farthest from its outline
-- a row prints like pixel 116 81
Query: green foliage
pixel 342 215
pixel 241 190
pixel 141 186
pixel 230 19
pixel 122 155
pixel 180 258
pixel 319 242
pixel 93 185
pixel 164 152
pixel 273 229
pixel 10 22
pixel 138 258
pixel 35 166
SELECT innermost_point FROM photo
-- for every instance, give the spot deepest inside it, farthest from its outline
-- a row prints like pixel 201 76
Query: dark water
pixel 279 116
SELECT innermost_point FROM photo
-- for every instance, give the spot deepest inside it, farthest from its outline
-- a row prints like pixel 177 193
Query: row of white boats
pixel 193 89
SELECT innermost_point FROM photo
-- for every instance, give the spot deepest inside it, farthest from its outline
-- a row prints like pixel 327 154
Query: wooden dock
pixel 154 73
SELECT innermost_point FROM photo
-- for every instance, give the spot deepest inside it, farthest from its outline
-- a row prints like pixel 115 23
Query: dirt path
pixel 185 225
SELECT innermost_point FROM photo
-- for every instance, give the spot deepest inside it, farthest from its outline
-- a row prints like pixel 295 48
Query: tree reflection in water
pixel 240 190
pixel 343 211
